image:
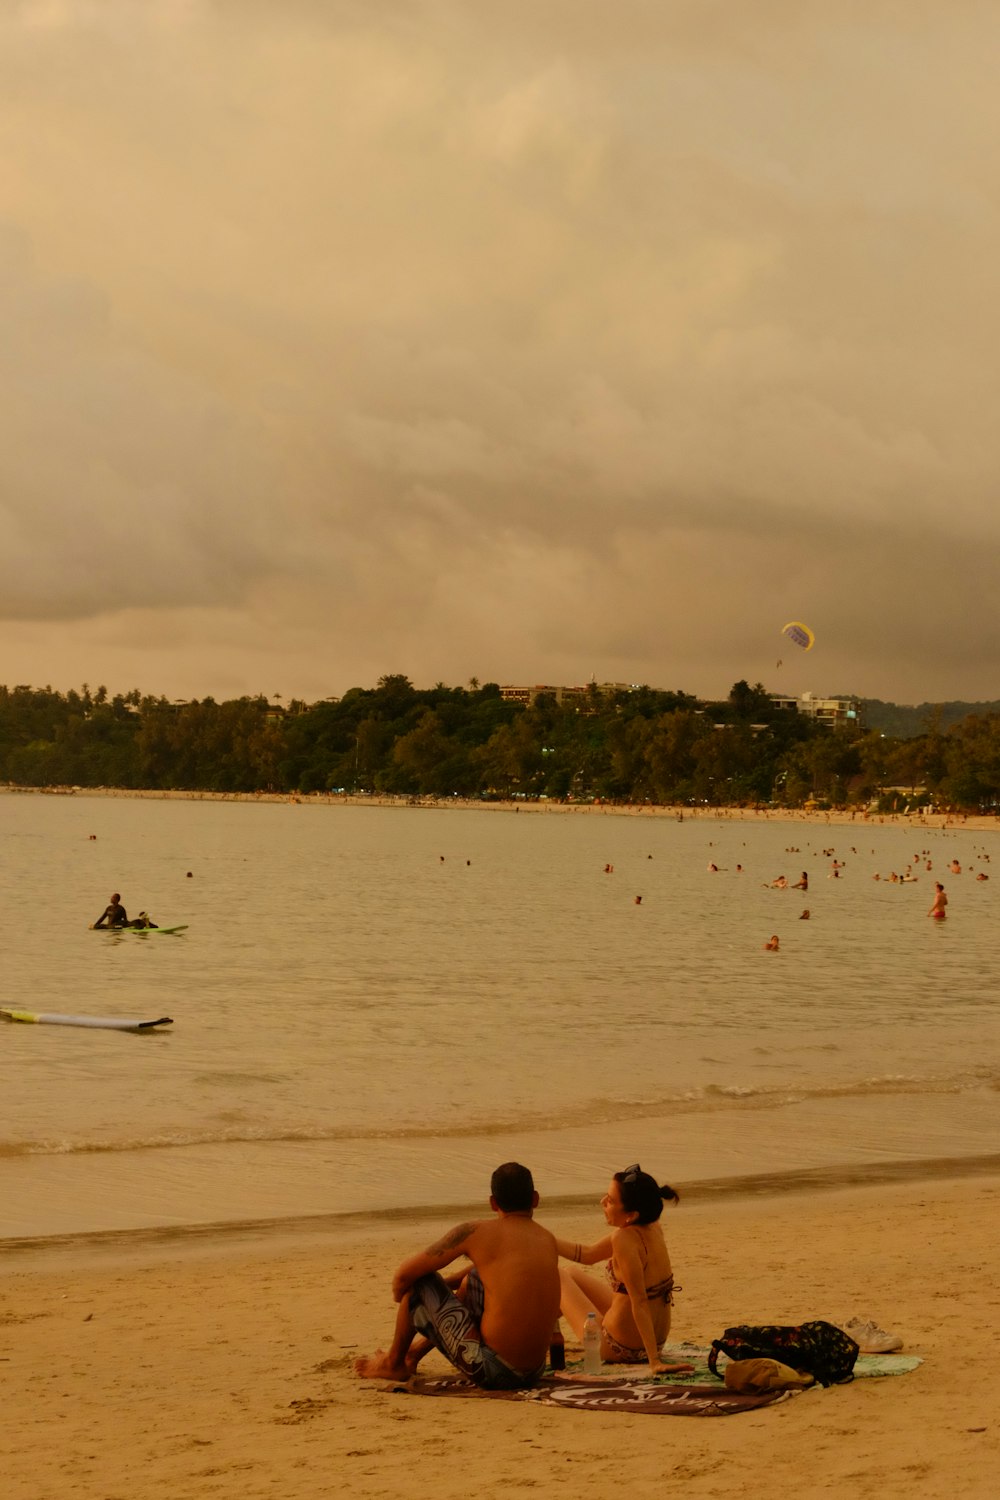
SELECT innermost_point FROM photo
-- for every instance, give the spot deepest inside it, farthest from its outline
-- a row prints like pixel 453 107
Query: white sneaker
pixel 870 1338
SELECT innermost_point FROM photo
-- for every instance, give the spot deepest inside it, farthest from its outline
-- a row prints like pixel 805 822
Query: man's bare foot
pixel 379 1366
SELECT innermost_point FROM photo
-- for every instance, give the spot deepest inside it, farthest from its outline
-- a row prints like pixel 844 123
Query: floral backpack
pixel 818 1349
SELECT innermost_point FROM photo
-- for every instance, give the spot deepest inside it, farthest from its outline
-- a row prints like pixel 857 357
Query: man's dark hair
pixel 513 1188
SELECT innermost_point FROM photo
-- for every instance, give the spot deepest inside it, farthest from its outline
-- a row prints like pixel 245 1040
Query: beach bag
pixel 817 1348
pixel 751 1376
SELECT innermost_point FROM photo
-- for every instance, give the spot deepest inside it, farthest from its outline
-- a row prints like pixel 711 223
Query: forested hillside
pixel 641 745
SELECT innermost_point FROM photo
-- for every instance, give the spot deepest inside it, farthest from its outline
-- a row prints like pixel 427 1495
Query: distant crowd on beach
pixel 704 812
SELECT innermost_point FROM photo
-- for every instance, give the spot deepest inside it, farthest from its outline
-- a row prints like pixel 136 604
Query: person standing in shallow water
pixel 939 903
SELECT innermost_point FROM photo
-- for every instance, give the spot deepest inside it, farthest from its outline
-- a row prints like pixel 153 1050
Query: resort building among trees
pixel 835 713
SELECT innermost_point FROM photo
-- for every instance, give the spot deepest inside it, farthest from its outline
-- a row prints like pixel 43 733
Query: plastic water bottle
pixel 591 1346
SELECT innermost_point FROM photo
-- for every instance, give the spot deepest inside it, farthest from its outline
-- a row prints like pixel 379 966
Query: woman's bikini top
pixel 662 1289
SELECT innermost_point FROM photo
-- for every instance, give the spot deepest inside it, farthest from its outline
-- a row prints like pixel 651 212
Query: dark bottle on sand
pixel 557 1349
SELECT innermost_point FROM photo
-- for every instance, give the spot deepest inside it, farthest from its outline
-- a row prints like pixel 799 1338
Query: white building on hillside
pixel 836 713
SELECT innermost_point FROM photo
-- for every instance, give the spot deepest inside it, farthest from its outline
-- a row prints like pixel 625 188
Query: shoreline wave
pixel 712 1099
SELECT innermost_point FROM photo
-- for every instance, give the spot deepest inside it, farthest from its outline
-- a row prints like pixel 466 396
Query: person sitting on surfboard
pixel 114 914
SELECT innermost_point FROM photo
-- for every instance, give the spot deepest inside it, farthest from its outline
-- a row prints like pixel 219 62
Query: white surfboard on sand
pixel 106 1023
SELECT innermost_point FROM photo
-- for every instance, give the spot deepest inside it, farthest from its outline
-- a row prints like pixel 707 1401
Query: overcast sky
pixel 535 341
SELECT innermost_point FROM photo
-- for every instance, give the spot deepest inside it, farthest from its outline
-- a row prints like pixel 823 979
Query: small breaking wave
pixel 711 1099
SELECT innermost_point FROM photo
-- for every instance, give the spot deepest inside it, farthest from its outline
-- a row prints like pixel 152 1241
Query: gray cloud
pixel 525 345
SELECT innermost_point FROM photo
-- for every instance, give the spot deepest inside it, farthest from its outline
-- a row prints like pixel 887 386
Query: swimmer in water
pixel 113 915
pixel 939 903
pixel 771 946
pixel 805 915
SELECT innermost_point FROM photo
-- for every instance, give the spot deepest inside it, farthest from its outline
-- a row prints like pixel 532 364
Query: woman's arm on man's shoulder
pixel 585 1255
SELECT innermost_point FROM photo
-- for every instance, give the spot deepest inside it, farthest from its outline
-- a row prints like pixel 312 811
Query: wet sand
pixel 220 1364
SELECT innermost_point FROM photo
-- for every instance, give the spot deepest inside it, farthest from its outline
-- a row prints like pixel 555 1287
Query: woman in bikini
pixel 633 1309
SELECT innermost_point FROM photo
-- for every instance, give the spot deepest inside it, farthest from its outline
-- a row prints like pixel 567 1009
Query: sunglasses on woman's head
pixel 630 1173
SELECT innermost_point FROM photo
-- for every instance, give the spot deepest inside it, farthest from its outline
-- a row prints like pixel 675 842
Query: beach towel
pixel 643 1397
pixel 866 1366
pixel 680 1395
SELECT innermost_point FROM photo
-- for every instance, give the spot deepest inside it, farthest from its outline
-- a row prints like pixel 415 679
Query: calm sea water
pixel 375 1005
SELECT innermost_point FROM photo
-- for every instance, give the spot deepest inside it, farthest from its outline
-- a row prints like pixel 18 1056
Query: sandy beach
pixel 834 817
pixel 220 1364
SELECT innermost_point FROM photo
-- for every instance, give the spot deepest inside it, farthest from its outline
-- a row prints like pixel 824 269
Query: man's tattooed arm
pixel 452 1239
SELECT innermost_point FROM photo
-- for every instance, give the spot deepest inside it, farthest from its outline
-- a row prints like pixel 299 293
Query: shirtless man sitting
pixel 495 1327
